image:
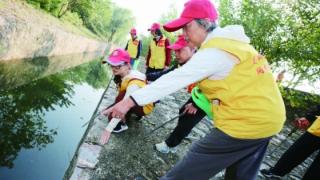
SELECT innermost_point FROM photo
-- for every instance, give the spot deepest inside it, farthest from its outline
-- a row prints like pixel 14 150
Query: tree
pixel 166 17
pixel 51 6
pixel 121 22
pixel 281 31
pixel 82 7
pixel 286 32
pixel 145 44
pixel 100 19
pixel 302 49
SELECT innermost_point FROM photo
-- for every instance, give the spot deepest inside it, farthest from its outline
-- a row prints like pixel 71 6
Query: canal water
pixel 44 106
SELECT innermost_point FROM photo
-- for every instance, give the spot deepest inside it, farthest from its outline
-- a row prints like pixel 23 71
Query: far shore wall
pixel 28 33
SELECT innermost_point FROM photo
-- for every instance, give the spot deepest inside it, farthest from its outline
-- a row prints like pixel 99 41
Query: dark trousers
pixel 132 61
pixel 185 124
pixel 217 151
pixel 297 153
pixel 152 70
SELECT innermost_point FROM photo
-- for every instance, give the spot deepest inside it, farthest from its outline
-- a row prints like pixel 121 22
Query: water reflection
pixel 29 89
pixel 15 73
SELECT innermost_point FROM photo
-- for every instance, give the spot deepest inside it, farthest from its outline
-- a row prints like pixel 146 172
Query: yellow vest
pixel 158 54
pixel 133 47
pixel 315 127
pixel 249 105
pixel 147 109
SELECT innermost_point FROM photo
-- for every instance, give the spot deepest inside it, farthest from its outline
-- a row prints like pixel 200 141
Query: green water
pixel 43 105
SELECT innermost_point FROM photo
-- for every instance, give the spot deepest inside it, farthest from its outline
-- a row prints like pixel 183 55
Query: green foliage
pixel 51 6
pixel 286 32
pixel 22 124
pixel 302 49
pixel 84 8
pixel 121 22
pixel 145 44
pixel 259 19
pixel 99 20
pixel 298 103
pixel 73 18
pixel 166 17
pixel 102 17
pixel 93 73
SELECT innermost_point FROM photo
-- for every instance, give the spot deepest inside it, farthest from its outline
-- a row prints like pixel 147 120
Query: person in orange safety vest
pixel 159 55
pixel 133 46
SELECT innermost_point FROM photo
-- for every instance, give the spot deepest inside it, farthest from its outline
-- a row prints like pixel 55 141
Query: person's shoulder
pixel 134 74
pixel 230 32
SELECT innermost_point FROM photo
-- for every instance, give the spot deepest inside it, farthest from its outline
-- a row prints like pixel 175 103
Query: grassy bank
pixel 24 10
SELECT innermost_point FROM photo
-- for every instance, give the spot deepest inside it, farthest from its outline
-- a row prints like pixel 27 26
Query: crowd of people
pixel 237 84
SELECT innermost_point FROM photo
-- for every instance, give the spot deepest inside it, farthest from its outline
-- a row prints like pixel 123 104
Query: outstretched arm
pixel 199 67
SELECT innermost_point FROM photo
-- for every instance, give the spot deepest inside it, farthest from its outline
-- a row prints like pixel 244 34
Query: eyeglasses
pixel 116 67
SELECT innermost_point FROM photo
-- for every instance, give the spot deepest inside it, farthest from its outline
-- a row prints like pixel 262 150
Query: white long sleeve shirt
pixel 209 63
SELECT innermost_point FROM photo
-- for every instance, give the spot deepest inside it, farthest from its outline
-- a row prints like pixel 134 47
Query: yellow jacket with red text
pixel 158 54
pixel 247 104
pixel 135 78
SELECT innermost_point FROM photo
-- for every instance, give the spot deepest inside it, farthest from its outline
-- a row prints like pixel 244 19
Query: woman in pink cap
pixel 245 100
pixel 129 81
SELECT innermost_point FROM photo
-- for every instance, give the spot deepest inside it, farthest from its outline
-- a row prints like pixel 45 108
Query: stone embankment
pixel 28 33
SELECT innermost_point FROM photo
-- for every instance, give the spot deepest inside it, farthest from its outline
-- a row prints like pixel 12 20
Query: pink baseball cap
pixel 154 27
pixel 118 57
pixel 133 31
pixel 193 9
pixel 179 44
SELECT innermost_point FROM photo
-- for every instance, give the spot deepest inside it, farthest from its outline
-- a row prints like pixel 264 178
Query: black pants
pixel 151 70
pixel 297 153
pixel 185 125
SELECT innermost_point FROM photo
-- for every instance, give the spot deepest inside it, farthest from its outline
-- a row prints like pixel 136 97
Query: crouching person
pixel 128 81
pixel 190 113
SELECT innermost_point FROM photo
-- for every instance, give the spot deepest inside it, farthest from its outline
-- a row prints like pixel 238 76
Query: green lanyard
pixel 202 101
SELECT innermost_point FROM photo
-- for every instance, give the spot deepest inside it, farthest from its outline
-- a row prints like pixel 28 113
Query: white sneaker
pixel 122 128
pixel 164 148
